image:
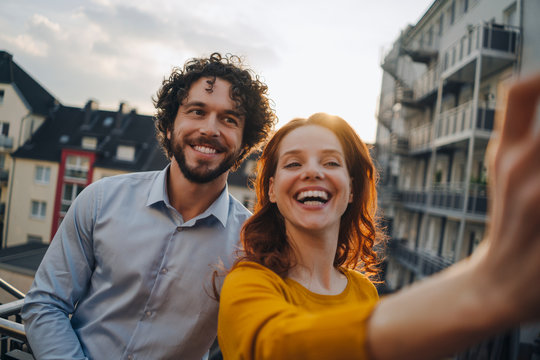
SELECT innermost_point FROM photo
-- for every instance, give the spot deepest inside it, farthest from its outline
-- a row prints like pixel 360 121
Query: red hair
pixel 263 235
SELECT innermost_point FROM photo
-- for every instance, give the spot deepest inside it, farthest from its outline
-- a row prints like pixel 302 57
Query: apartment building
pixel 24 105
pixel 442 81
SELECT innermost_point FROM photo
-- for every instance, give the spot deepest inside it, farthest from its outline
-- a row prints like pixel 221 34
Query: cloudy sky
pixel 315 55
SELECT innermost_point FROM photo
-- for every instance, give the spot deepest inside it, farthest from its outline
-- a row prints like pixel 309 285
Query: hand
pixel 511 260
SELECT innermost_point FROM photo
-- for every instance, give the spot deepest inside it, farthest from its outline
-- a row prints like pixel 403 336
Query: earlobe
pixel 169 134
pixel 350 197
pixel 271 195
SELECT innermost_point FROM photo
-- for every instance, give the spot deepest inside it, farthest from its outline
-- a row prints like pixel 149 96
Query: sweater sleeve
pixel 257 322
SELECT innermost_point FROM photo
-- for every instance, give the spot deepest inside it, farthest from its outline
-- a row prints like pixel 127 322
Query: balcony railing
pixel 427 83
pixel 414 197
pixel 13 342
pixel 419 261
pixel 420 137
pixel 502 38
pixel 460 119
pixel 452 196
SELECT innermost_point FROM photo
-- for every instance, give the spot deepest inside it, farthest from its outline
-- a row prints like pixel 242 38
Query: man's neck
pixel 191 199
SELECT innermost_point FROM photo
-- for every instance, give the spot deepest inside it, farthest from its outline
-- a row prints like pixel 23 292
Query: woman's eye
pixel 292 164
pixel 333 164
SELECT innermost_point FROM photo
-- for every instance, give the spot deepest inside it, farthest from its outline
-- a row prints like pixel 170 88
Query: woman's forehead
pixel 310 138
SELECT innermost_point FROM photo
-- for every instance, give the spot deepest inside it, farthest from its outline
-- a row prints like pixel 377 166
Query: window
pixel 2 94
pixel 126 153
pixel 38 209
pixel 69 193
pixel 77 167
pixel 4 128
pixel 43 174
pixel 465 6
pixel 34 239
pixel 89 142
pixel 441 24
pixel 2 161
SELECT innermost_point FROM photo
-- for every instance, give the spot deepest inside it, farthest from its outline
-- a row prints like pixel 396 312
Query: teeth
pixel 313 203
pixel 312 194
pixel 205 149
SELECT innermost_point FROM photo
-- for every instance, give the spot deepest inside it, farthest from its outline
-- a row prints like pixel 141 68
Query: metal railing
pixel 460 119
pixel 13 342
pixel 428 82
pixel 420 137
pixel 490 36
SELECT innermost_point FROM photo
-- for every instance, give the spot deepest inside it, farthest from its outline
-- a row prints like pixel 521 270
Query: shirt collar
pixel 158 193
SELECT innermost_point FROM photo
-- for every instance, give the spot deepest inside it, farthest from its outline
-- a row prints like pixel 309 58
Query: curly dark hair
pixel 247 91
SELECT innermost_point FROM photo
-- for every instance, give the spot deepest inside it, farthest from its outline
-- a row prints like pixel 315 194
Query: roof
pixel 23 258
pixel 34 95
pixel 66 126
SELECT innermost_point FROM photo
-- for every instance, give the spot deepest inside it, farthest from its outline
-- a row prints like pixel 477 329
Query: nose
pixel 312 171
pixel 209 126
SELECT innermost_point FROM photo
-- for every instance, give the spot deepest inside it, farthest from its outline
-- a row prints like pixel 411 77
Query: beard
pixel 201 173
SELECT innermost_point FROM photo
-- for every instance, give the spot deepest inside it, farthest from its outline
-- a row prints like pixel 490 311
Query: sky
pixel 314 55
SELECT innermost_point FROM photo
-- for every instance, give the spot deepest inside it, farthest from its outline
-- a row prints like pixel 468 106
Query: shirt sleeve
pixel 257 322
pixel 61 279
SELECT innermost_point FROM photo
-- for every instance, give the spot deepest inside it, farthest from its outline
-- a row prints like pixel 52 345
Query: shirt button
pixel 179 228
pixel 130 357
pixel 148 313
pixel 164 270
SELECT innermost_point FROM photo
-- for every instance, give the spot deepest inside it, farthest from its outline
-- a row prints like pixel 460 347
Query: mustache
pixel 206 141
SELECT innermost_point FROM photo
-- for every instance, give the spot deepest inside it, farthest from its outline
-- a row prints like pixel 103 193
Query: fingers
pixel 520 108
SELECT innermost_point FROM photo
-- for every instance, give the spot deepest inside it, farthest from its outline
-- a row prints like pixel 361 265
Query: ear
pixel 271 195
pixel 169 134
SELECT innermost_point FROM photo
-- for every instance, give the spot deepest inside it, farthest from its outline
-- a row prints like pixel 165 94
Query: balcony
pixel 421 262
pixel 498 45
pixel 399 144
pixel 427 84
pixel 420 138
pixel 415 198
pixel 422 51
pixel 452 196
pixel 456 123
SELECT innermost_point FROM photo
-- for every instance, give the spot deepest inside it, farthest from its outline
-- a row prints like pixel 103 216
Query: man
pixel 127 276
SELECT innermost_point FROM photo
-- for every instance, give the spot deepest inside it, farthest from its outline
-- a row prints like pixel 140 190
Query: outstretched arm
pixel 493 290
pixel 60 281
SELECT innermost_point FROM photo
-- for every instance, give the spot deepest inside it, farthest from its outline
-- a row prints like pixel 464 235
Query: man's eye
pixel 197 112
pixel 230 120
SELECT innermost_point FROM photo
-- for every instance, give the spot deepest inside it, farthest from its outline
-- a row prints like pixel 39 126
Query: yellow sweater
pixel 262 316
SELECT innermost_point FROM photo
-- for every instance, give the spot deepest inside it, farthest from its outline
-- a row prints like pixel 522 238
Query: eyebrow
pixel 203 105
pixel 325 152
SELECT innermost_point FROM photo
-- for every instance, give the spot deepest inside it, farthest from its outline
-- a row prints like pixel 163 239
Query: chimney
pixel 122 111
pixel 89 108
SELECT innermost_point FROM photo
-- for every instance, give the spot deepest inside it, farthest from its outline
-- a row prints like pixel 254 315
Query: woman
pixel 294 293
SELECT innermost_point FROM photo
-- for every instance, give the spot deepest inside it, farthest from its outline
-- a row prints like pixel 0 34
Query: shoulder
pixel 361 283
pixel 131 178
pixel 248 273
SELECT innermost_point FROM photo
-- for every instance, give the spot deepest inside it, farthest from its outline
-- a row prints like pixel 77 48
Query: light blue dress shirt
pixel 134 277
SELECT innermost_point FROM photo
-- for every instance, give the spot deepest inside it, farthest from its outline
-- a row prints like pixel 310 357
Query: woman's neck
pixel 314 266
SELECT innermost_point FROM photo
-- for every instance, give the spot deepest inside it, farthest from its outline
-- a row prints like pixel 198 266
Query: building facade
pixel 24 105
pixel 442 81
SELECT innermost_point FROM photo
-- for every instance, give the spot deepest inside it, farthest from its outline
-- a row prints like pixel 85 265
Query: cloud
pixel 27 44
